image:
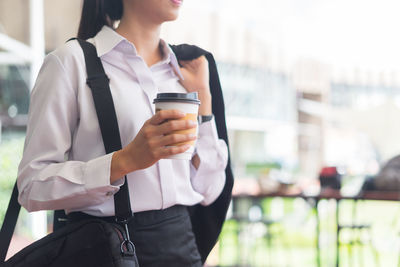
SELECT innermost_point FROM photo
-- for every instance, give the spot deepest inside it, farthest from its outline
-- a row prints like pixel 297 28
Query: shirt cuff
pixel 209 178
pixel 97 173
pixel 208 130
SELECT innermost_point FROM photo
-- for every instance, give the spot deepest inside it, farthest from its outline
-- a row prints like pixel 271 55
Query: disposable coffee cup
pixel 188 104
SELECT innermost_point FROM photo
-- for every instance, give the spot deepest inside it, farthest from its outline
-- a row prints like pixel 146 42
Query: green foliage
pixel 261 167
pixel 10 156
pixel 293 238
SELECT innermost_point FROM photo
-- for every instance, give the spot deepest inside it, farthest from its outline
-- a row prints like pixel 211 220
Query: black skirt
pixel 161 237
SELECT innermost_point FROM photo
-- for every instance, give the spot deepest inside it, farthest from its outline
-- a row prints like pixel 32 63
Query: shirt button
pixel 109 193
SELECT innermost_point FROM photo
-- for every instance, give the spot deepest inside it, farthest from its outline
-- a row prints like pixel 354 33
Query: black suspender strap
pixel 98 82
pixel 10 220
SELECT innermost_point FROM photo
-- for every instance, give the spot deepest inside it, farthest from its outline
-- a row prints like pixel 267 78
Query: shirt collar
pixel 170 58
pixel 107 39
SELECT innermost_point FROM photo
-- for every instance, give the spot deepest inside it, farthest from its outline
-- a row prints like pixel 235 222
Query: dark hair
pixel 96 14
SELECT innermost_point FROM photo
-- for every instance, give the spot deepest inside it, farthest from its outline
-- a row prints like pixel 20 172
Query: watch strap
pixel 205 118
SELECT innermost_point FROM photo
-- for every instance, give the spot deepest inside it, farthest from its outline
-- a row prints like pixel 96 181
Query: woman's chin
pixel 171 16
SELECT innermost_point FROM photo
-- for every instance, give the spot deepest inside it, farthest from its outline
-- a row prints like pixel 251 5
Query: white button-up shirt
pixel 64 165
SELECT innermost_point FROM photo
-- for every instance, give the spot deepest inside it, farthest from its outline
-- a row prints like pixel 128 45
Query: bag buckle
pixel 130 247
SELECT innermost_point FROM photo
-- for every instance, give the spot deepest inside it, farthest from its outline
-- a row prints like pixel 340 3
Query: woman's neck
pixel 144 35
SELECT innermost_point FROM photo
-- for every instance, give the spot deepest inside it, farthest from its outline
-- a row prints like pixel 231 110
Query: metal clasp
pixel 130 247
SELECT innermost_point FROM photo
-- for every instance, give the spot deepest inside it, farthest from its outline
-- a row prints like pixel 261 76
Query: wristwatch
pixel 204 118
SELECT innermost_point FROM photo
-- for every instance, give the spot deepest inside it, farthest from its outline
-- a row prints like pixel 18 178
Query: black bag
pixel 92 242
pixel 87 243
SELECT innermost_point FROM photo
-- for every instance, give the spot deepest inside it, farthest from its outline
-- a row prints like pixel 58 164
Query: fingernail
pixel 191 136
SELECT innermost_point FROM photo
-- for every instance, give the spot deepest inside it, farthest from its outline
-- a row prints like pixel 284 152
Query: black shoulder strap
pixel 98 82
pixel 10 220
pixel 103 101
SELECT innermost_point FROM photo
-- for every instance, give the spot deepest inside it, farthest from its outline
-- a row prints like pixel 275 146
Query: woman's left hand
pixel 196 79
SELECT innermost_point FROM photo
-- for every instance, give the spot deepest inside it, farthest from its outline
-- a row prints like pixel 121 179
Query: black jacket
pixel 207 221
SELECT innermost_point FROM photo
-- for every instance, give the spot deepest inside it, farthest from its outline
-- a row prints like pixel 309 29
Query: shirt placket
pixel 164 167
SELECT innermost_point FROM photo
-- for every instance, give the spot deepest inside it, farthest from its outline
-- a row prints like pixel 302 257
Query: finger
pixel 186 78
pixel 175 125
pixel 183 62
pixel 179 75
pixel 176 139
pixel 185 73
pixel 194 63
pixel 191 65
pixel 202 59
pixel 168 114
pixel 173 150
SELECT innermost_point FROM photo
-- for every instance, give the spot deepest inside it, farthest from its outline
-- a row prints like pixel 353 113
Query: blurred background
pixel 312 96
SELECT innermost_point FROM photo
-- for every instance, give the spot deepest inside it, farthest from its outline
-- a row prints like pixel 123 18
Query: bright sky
pixel 344 33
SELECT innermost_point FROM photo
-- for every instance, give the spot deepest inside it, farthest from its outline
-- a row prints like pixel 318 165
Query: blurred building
pixel 28 29
pixel 61 20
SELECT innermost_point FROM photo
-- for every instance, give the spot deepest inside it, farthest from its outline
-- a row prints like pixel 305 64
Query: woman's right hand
pixel 152 143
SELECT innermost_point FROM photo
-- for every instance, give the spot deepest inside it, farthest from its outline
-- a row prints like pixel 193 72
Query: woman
pixel 64 165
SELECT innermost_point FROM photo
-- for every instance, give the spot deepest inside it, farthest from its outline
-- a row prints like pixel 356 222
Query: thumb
pixel 181 76
pixel 186 77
